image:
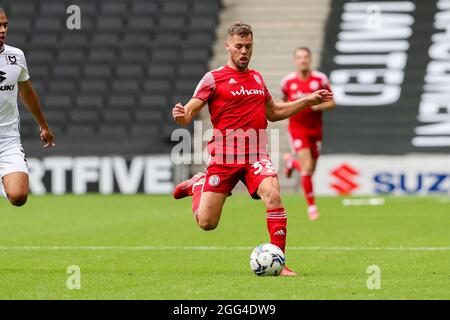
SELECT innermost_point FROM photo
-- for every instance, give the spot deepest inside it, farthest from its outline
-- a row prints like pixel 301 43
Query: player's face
pixel 302 60
pixel 3 27
pixel 240 50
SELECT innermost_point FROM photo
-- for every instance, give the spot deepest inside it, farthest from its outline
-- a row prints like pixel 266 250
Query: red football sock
pixel 306 180
pixel 196 195
pixel 276 224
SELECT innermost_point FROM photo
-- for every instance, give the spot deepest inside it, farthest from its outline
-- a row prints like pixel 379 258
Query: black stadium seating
pixel 109 87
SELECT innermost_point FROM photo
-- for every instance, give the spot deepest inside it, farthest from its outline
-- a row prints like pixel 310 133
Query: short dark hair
pixel 241 29
pixel 304 49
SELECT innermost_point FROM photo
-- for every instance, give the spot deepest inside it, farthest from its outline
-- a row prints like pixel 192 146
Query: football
pixel 267 260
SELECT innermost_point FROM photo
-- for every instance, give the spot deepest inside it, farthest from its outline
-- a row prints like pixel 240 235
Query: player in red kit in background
pixel 305 127
pixel 239 105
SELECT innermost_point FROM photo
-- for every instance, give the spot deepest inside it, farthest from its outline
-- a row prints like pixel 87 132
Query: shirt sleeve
pixel 284 89
pixel 205 88
pixel 22 62
pixel 267 94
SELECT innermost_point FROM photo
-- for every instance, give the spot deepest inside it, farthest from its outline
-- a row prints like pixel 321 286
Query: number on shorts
pixel 263 164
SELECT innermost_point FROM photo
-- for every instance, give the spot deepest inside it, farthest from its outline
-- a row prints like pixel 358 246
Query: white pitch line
pixel 209 248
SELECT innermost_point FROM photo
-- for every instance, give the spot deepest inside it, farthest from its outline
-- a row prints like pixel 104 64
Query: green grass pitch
pixel 148 247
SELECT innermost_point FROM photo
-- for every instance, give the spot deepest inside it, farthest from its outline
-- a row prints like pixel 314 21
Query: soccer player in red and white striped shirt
pixel 305 127
pixel 240 105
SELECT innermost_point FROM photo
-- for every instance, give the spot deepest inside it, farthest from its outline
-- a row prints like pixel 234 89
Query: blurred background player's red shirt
pixel 307 121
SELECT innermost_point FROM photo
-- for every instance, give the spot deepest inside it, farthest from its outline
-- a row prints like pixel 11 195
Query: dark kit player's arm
pixel 183 115
pixel 276 111
pixel 31 101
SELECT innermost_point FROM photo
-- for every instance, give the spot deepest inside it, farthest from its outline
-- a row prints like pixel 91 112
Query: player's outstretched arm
pixel 183 115
pixel 31 101
pixel 329 105
pixel 276 111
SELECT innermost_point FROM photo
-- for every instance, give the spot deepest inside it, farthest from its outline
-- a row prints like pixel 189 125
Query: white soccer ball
pixel 267 260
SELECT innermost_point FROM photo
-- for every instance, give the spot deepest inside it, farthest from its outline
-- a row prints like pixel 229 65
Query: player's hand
pixel 47 137
pixel 178 113
pixel 320 96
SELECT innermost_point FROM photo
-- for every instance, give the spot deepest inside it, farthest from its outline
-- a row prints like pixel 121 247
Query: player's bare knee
pixel 205 222
pixel 275 199
pixel 207 225
pixel 308 167
pixel 272 198
pixel 18 199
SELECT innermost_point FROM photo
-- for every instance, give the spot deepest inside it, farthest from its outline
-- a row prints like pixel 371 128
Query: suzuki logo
pixel 345 179
pixel 2 78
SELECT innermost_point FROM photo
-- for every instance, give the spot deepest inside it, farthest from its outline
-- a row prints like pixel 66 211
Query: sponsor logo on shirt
pixel 299 94
pixel 232 81
pixel 246 92
pixel 9 87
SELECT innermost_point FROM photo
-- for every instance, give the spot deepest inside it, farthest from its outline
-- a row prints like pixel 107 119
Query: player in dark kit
pixel 240 105
pixel 305 127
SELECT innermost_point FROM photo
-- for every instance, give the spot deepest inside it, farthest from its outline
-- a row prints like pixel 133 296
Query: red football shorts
pixel 222 178
pixel 299 141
